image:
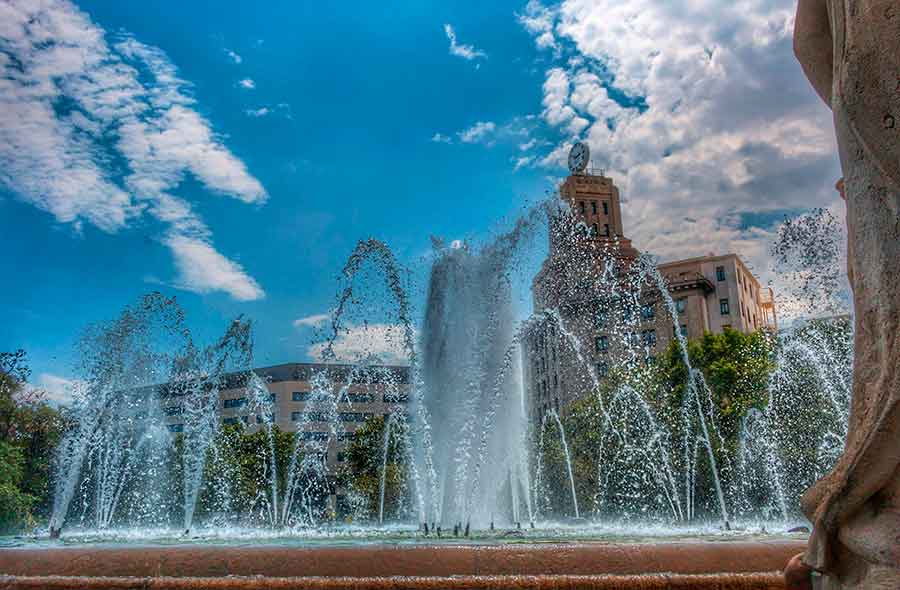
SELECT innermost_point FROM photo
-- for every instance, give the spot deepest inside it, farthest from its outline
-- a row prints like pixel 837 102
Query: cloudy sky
pixel 232 153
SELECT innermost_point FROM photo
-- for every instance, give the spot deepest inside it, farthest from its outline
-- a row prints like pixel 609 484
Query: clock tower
pixel 588 253
pixel 586 235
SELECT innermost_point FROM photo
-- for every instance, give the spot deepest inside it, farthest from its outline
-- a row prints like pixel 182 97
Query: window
pixel 601 343
pixel 594 230
pixel 683 328
pixel 314 435
pixel 602 369
pixel 176 427
pixel 594 207
pixel 354 416
pixel 681 305
pixel 649 337
pixel 359 398
pixel 301 396
pixel 318 416
pixel 720 273
pixel 647 312
pixel 238 402
pixel 606 229
pixel 173 410
pixel 724 306
pixel 232 420
pixel 296 416
pixel 605 208
pixel 581 206
pixel 395 398
pixel 345 436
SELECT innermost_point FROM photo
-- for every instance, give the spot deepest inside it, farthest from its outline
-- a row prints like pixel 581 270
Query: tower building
pixel 573 341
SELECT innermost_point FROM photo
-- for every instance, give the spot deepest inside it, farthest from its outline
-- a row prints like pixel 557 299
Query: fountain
pixel 471 458
pixel 463 455
pixel 568 457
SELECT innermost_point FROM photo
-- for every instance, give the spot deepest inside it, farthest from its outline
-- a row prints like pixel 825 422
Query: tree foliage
pixel 366 461
pixel 735 366
pixel 611 445
pixel 29 432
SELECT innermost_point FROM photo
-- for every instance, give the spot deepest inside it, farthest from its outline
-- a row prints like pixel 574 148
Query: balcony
pixel 689 281
pixel 767 304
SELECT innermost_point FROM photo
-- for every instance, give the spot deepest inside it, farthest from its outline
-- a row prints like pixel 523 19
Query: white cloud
pixel 439 138
pixel 247 83
pixel 312 321
pixel 539 20
pixel 122 101
pixel 383 342
pixel 204 270
pixel 281 109
pixel 57 390
pixel 697 110
pixel 467 52
pixel 233 56
pixel 522 162
pixel 477 133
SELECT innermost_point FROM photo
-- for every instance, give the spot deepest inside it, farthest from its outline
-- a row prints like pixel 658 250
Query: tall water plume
pixel 471 389
pixel 119 448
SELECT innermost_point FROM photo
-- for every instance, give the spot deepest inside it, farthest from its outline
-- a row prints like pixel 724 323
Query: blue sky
pixel 232 153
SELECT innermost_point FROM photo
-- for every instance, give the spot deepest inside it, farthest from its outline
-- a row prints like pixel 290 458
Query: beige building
pixel 589 261
pixel 376 390
pixel 712 293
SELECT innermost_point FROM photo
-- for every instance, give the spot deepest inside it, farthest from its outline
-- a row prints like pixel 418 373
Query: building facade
pixel 360 393
pixel 593 311
pixel 713 293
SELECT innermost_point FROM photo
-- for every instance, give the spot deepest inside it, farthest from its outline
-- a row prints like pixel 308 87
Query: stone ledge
pixel 770 581
pixel 389 561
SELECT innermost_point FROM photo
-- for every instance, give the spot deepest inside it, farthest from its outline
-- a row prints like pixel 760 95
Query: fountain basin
pixel 715 564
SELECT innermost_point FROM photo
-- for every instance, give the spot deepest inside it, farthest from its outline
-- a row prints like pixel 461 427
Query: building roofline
pixel 716 258
pixel 329 365
pixel 699 259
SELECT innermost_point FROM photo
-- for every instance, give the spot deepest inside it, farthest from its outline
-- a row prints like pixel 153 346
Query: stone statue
pixel 850 51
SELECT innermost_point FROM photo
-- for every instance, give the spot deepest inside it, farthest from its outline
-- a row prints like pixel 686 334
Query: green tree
pixel 736 367
pixel 607 431
pixel 29 432
pixel 15 505
pixel 365 461
pixel 237 478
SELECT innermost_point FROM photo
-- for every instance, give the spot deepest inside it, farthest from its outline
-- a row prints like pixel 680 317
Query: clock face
pixel 578 157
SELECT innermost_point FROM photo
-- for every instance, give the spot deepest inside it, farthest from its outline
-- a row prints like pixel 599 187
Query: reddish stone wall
pixel 652 582
pixel 397 560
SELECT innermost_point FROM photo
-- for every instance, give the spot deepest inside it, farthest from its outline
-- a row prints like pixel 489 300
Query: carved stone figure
pixel 850 51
